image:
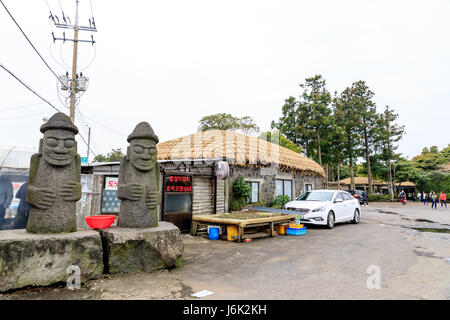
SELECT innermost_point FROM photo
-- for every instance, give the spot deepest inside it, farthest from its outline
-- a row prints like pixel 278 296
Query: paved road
pixel 323 264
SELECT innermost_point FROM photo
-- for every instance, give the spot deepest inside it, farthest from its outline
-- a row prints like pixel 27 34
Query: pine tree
pixel 391 133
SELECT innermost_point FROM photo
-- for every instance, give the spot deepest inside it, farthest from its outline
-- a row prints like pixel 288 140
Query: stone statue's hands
pixel 136 191
pixel 152 200
pixel 44 198
pixel 132 192
pixel 71 191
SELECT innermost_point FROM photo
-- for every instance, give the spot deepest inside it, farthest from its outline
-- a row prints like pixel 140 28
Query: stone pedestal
pixel 128 250
pixel 42 259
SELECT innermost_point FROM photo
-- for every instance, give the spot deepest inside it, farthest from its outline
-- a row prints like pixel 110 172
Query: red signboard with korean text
pixel 178 183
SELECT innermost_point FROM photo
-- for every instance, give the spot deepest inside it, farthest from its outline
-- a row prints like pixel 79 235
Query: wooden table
pixel 242 224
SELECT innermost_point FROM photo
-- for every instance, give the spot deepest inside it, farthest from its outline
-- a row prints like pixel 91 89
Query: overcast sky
pixel 172 62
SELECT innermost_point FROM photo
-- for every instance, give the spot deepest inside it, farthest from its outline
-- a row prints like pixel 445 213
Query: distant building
pixel 379 186
pixel 361 183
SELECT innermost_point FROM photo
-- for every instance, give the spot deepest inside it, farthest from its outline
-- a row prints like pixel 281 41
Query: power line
pixel 21 106
pixel 23 116
pixel 26 86
pixel 1 1
pixel 106 127
pixel 79 133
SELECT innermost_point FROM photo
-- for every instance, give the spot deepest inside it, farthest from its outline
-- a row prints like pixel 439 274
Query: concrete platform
pixel 42 259
pixel 128 250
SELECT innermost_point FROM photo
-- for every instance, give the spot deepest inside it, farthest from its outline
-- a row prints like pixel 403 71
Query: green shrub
pixel 373 197
pixel 241 189
pixel 236 205
pixel 378 197
pixel 280 201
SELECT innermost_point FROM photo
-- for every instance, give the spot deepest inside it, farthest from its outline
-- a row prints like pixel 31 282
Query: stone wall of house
pixel 267 182
pixel 300 182
pixel 202 200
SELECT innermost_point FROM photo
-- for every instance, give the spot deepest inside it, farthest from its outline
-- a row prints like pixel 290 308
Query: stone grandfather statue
pixel 139 180
pixel 54 181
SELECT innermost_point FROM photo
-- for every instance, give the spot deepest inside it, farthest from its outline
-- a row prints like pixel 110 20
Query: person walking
pixel 365 198
pixel 419 197
pixel 402 197
pixel 443 199
pixel 434 200
pixel 23 210
pixel 6 196
pixel 425 198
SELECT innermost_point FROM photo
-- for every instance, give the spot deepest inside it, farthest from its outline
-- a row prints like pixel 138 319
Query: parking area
pixel 406 248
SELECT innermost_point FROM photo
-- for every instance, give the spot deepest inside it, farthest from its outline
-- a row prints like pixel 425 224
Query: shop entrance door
pixel 177 200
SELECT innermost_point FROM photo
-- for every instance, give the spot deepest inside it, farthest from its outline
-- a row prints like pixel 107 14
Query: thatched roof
pixel 406 184
pixel 363 181
pixel 237 149
pixel 445 167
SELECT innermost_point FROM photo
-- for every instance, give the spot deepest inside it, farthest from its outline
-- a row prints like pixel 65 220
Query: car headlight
pixel 319 209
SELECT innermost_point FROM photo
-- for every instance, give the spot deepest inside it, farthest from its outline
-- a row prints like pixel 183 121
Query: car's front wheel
pixel 356 217
pixel 330 220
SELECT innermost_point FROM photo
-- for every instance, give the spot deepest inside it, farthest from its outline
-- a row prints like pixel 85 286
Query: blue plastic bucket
pixel 213 233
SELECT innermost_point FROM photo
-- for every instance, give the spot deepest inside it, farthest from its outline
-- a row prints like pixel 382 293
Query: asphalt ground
pixel 395 252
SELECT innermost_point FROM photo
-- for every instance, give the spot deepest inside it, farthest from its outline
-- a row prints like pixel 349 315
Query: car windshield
pixel 316 196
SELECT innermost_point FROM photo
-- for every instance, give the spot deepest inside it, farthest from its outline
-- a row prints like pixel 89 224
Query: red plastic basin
pixel 100 222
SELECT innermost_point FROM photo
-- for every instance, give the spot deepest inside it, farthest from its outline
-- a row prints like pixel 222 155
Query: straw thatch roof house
pixel 189 182
pixel 408 184
pixel 237 149
pixel 362 183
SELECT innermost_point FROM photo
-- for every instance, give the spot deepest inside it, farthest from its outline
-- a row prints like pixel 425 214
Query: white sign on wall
pixel 111 183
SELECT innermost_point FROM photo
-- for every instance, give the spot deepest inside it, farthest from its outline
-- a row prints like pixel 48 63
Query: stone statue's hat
pixel 143 131
pixel 59 121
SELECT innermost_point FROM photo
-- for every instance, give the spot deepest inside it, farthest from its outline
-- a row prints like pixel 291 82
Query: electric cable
pixel 92 145
pixel 93 58
pixel 22 106
pixel 106 127
pixel 23 116
pixel 43 60
pixel 79 133
pixel 26 86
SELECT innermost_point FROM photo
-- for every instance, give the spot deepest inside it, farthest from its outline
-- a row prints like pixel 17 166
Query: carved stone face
pixel 142 154
pixel 59 147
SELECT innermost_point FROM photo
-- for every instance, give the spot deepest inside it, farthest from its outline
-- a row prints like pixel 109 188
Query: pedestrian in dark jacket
pixel 6 196
pixel 20 222
pixel 365 198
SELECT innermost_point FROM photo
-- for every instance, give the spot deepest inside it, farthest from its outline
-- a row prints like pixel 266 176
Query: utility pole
pixel 89 144
pixel 77 82
pixel 73 85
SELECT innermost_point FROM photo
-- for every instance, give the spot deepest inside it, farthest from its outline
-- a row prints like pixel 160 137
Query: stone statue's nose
pixel 146 156
pixel 60 147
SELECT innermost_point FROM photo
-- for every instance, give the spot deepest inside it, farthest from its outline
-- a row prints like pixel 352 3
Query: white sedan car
pixel 326 207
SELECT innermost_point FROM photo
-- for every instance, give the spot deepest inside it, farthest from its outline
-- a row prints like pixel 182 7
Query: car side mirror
pixel 338 201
